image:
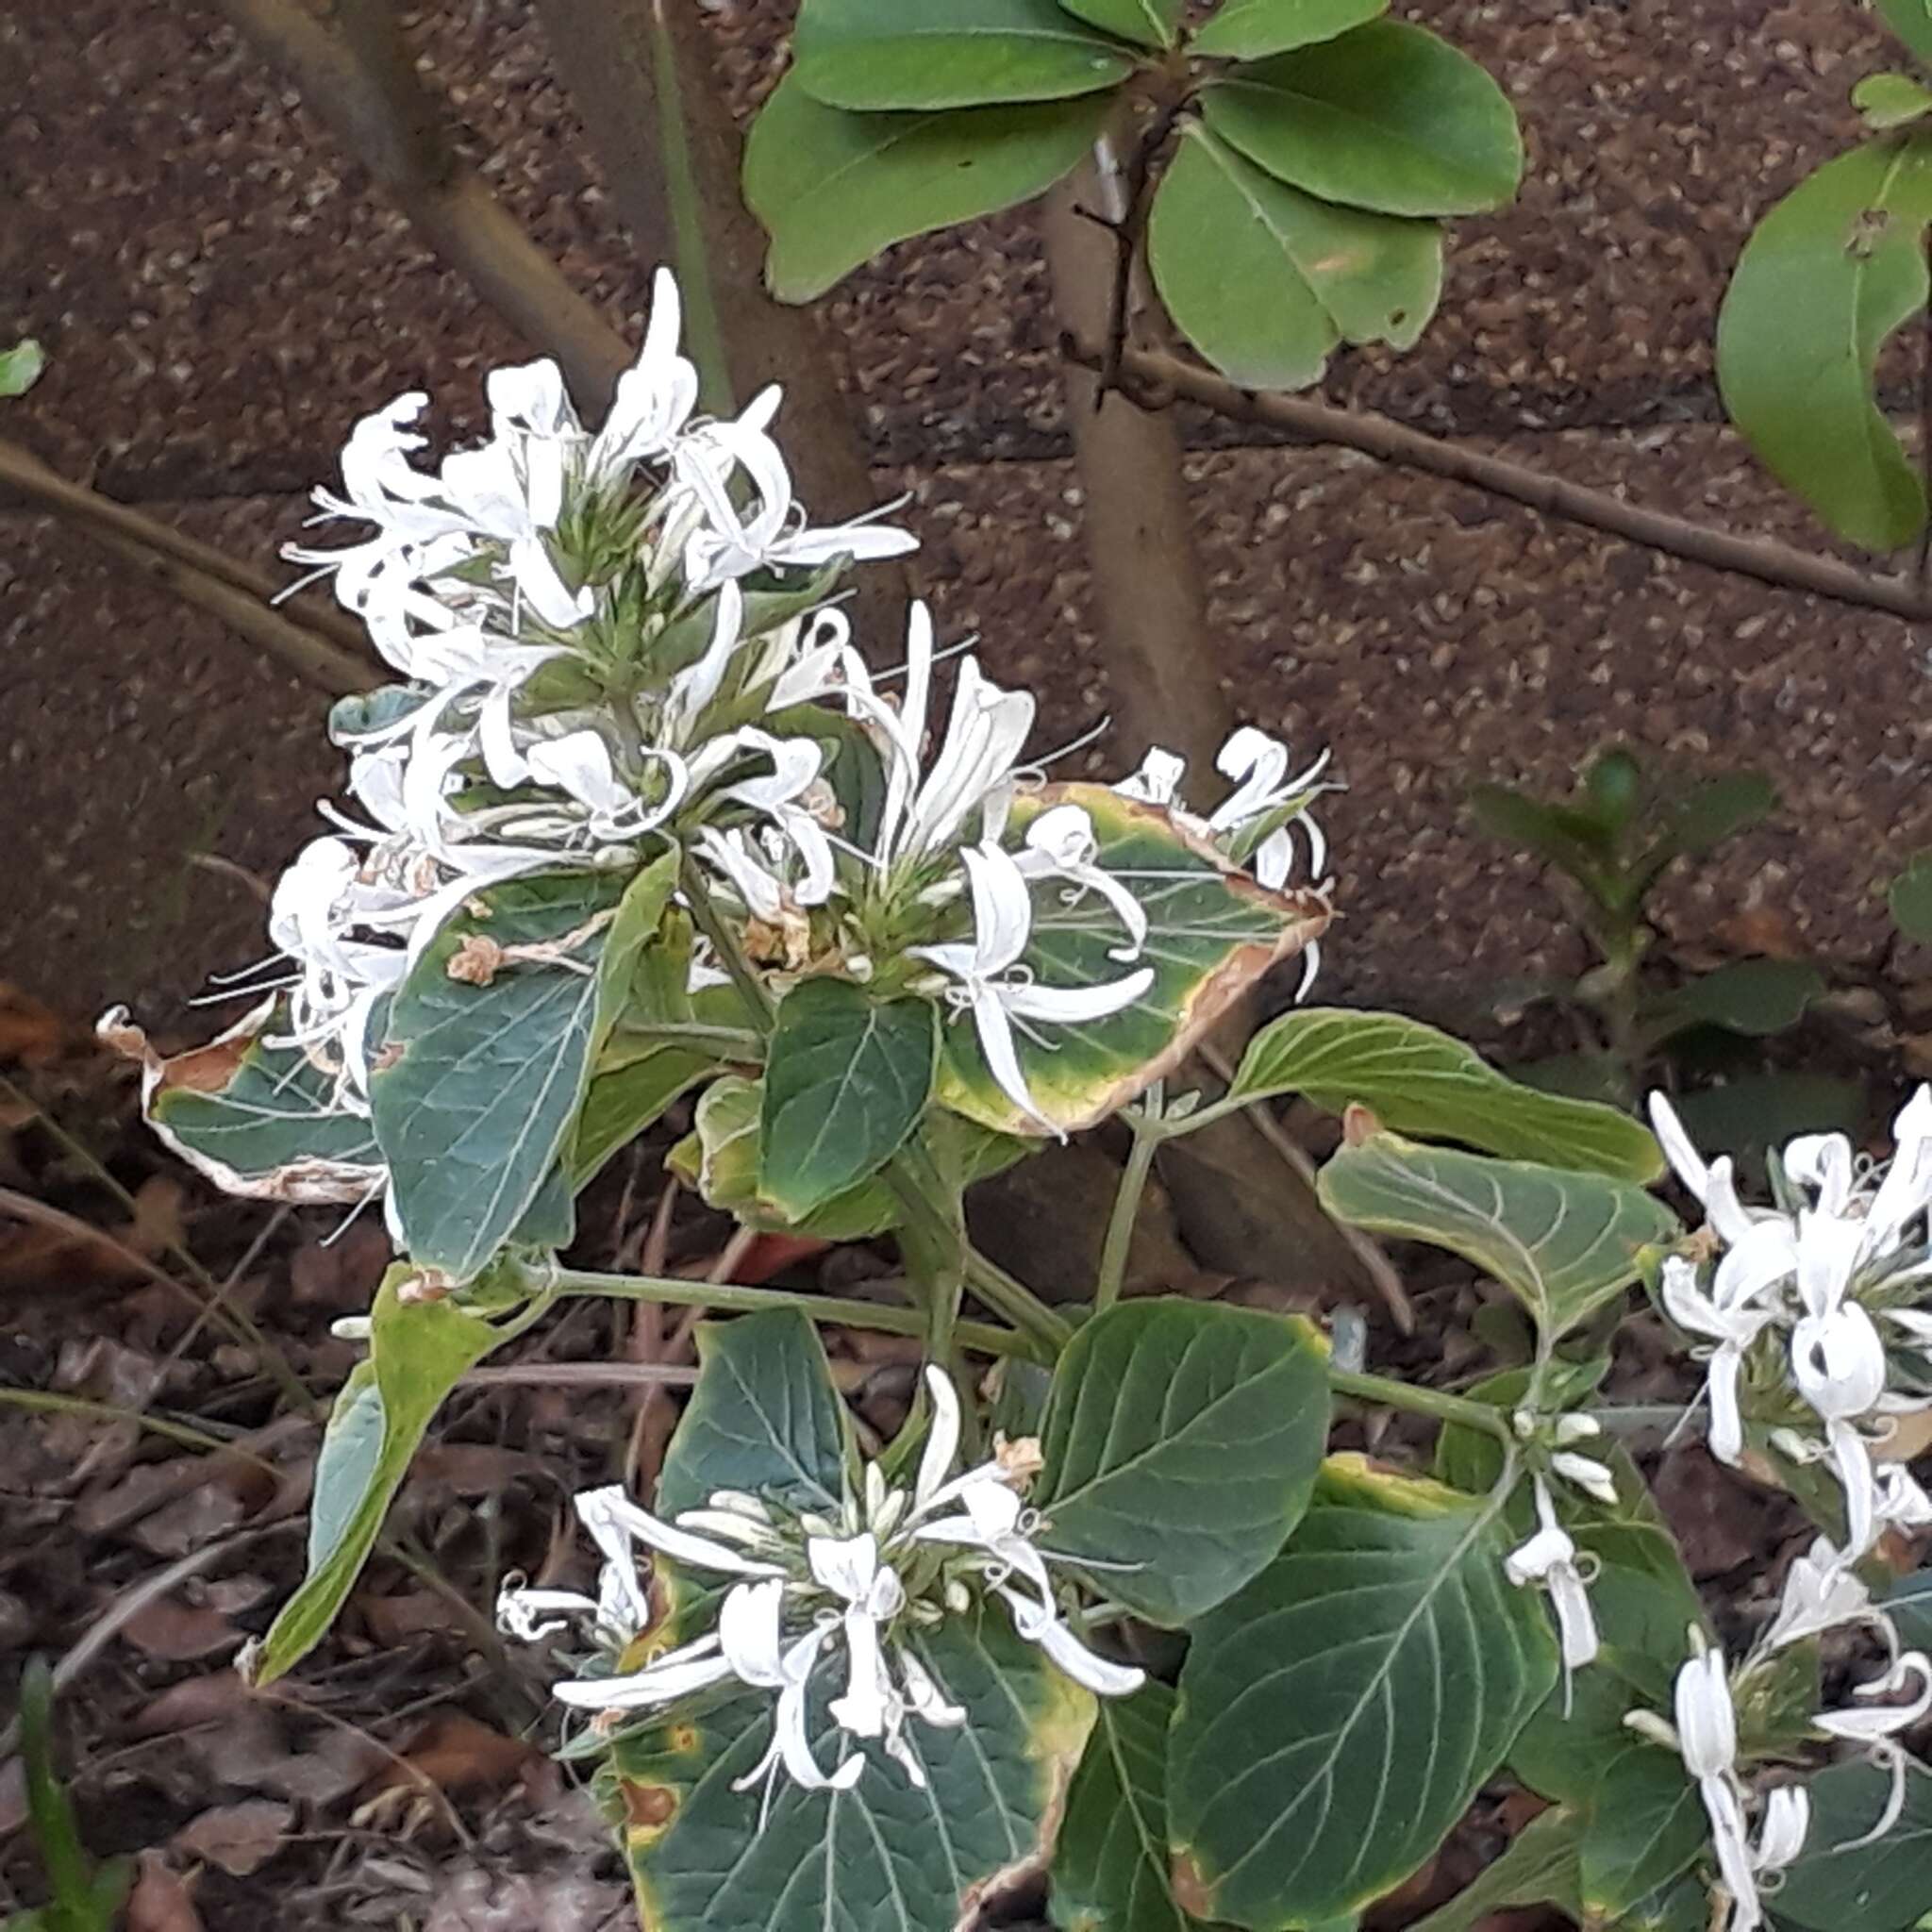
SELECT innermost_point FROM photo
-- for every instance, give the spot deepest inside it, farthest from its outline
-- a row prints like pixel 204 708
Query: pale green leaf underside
pixel 418 1351
pixel 763 1418
pixel 1266 280
pixel 1827 276
pixel 1182 1440
pixel 1419 1081
pixel 1564 1243
pixel 833 189
pixel 1337 1715
pixel 857 54
pixel 20 367
pixel 1110 1863
pixel 884 1856
pixel 1253 29
pixel 1386 116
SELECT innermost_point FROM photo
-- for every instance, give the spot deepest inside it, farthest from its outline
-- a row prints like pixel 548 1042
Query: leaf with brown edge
pixel 1212 933
pixel 887 1853
pixel 258 1119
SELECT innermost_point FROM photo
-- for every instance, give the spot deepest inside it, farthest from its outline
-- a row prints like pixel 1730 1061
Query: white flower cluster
pixel 894 1562
pixel 611 637
pixel 1796 1307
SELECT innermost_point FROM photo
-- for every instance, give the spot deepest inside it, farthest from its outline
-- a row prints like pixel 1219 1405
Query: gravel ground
pixel 221 296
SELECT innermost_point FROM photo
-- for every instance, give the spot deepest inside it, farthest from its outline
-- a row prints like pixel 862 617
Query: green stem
pixel 1016 1302
pixel 1429 1402
pixel 733 1042
pixel 674 1291
pixel 932 1240
pixel 703 331
pixel 1127 1201
pixel 703 915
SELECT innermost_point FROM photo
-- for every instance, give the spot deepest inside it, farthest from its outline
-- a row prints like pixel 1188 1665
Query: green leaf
pixel 1109 1867
pixel 1910 898
pixel 847 1080
pixel 1646 1824
pixel 1909 1602
pixel 1181 1439
pixel 1253 29
pixel 762 1418
pixel 1213 932
pixel 1827 276
pixel 418 1353
pixel 1574 842
pixel 479 1083
pixel 948 53
pixel 258 1119
pixel 1756 1112
pixel 1704 817
pixel 1337 1715
pixel 833 189
pixel 886 1856
pixel 1563 1243
pixel 1875 1888
pixel 1266 280
pixel 1757 997
pixel 83 1896
pixel 1386 116
pixel 1911 21
pixel 20 367
pixel 1146 23
pixel 619 1106
pixel 1540 1868
pixel 1419 1081
pixel 1891 100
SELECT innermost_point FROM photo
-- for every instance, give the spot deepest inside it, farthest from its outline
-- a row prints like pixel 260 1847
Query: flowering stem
pixel 1429 1402
pixel 1016 1302
pixel 1147 1131
pixel 674 1292
pixel 704 916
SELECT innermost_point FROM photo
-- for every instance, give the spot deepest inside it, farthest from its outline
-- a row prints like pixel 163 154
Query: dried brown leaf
pixel 239 1838
pixel 179 1632
pixel 162 1900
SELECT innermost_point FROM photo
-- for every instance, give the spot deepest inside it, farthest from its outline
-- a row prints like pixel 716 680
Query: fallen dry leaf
pixel 31 1034
pixel 179 1632
pixel 162 1900
pixel 239 1838
pixel 456 1753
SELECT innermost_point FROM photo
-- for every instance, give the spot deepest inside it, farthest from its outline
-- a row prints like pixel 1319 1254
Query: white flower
pixel 1838 1365
pixel 1549 1557
pixel 1877 1729
pixel 1822 1593
pixel 803 1584
pixel 999 993
pixel 1706 1734
pixel 1734 1326
pixel 973 766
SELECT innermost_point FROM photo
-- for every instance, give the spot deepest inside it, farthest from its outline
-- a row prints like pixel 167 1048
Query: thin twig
pixel 1156 380
pixel 574 1376
pixel 1376 1264
pixel 363 83
pixel 1128 225
pixel 325 648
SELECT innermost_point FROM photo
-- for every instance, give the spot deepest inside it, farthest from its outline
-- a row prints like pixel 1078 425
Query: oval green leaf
pixel 1891 100
pixel 1563 1243
pixel 1756 998
pixel 763 1418
pixel 1911 21
pixel 846 1079
pixel 1386 116
pixel 1264 280
pixel 1181 1440
pixel 20 367
pixel 833 189
pixel 1253 29
pixel 1337 1715
pixel 1645 1823
pixel 1827 276
pixel 1420 1081
pixel 860 55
